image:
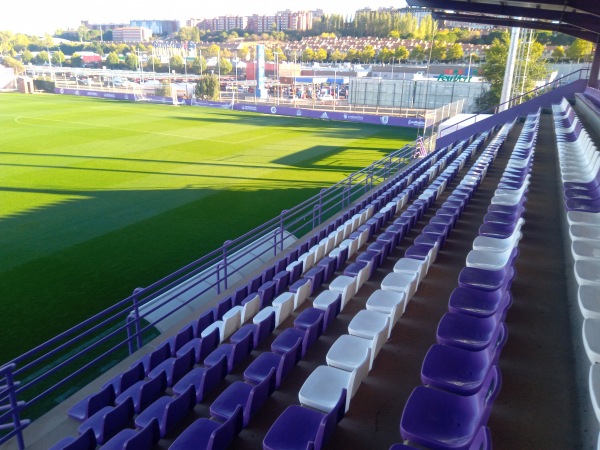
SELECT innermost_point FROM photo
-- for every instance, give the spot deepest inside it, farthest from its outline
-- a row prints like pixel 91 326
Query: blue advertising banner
pixel 333 115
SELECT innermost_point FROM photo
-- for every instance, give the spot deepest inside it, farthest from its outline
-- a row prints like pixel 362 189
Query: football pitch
pixel 99 197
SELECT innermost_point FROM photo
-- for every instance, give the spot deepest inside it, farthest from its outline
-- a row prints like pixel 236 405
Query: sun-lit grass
pixel 99 197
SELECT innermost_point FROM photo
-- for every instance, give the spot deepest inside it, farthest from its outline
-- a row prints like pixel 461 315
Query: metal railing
pixel 576 75
pixel 59 367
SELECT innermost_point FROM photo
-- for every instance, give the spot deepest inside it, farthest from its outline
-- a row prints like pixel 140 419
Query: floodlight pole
pixel 510 69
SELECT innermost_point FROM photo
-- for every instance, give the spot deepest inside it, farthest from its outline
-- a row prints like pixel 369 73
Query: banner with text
pixel 376 119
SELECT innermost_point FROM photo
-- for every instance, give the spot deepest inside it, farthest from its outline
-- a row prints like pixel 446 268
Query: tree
pixel 26 56
pixel 198 66
pixel 225 66
pixel 401 53
pixel 207 88
pixel 417 53
pixel 82 32
pixel 112 60
pixel 385 55
pixel 579 49
pixel 189 34
pixel 438 52
pixel 321 55
pixel 76 60
pixel 454 52
pixel 367 54
pixel 558 53
pixel 20 42
pixel 243 53
pixel 534 69
pixel 213 50
pixel 336 56
pixel 15 64
pixel 41 58
pixel 58 58
pixel 153 64
pixel 176 63
pixel 269 55
pixel 131 61
pixel 308 55
pixel 352 55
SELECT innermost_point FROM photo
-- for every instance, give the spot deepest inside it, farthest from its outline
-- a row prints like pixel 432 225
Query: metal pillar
pixel 593 81
pixel 510 68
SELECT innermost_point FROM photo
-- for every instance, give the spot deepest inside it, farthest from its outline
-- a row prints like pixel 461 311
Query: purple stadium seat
pixel 250 396
pixel 300 428
pixel 330 265
pixel 129 439
pixel 85 441
pixel 109 421
pixel 240 346
pixel 471 333
pixel 207 434
pixel 175 367
pixel 143 393
pixel 93 403
pixel 222 307
pixel 282 281
pixel 169 411
pixel 185 335
pixel 265 324
pixel 474 302
pixel 205 319
pixel 287 339
pixel 309 317
pixel 268 273
pixel 486 280
pixel 455 369
pixel 126 379
pixel 203 379
pixel 150 361
pixel 202 346
pixel 239 295
pixel 267 293
pixel 260 368
pixel 444 420
pixel 254 284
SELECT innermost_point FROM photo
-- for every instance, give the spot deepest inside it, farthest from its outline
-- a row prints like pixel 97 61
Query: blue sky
pixel 43 16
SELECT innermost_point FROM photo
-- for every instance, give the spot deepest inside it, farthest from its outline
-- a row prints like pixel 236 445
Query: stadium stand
pixel 438 310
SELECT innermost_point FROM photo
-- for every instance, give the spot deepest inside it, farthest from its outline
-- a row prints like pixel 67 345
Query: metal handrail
pixel 511 102
pixel 52 365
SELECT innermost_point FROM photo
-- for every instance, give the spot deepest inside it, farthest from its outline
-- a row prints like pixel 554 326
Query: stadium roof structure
pixel 579 18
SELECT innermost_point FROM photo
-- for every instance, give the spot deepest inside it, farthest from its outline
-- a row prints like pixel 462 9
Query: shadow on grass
pixel 313 126
pixel 51 293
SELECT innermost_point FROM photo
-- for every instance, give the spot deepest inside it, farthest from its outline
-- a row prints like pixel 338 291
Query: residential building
pixel 132 34
pixel 224 23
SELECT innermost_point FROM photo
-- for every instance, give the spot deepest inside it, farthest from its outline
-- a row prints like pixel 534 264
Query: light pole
pixel 277 84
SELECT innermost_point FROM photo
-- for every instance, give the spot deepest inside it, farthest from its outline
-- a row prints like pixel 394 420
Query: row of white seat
pixel 352 355
pixel 579 160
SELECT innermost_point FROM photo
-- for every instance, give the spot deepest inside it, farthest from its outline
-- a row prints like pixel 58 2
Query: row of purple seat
pixel 288 347
pixel 580 170
pixel 326 394
pixel 173 360
pixel 459 374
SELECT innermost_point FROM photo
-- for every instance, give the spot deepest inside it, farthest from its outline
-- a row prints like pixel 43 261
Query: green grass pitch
pixel 98 197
